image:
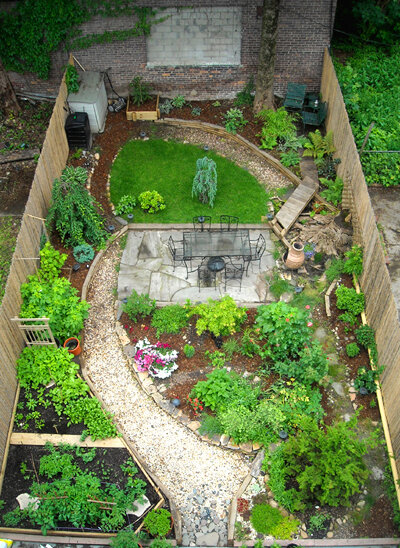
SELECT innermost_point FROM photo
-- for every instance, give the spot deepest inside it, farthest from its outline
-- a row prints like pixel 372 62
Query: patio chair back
pixel 315 118
pixel 234 274
pixel 258 248
pixel 295 96
pixel 202 223
pixel 228 222
pixel 176 253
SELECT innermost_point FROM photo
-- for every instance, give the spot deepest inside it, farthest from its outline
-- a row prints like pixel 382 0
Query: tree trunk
pixel 264 97
pixel 8 99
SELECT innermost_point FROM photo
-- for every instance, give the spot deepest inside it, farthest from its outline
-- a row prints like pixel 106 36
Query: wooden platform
pixel 290 211
pixel 25 438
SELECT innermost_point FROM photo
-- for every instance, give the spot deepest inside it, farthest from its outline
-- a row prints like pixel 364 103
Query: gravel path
pixel 201 478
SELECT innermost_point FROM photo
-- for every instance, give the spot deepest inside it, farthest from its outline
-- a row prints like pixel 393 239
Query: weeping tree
pixel 205 181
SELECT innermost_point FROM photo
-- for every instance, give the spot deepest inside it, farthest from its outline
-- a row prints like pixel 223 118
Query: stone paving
pixel 147 267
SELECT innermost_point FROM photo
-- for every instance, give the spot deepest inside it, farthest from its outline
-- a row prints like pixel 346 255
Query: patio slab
pixel 147 267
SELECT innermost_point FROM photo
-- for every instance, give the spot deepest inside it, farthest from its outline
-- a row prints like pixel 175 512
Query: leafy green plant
pixel 249 344
pixel 335 270
pixel 139 305
pixel 311 365
pixel 246 96
pixel 151 201
pixel 139 91
pixel 166 106
pixel 210 425
pixel 333 192
pixel 158 522
pixel 205 181
pixel 169 319
pixel 125 205
pixel 219 317
pixel 126 539
pixel 278 286
pixel 83 253
pixel 73 211
pixel 327 166
pixel 317 522
pixel 290 158
pixel 217 358
pixel 354 260
pixel 365 336
pixel 269 521
pixel 230 347
pixel 189 351
pixel 178 101
pixel 348 299
pixel 56 300
pixel 279 126
pixel 51 263
pixel 323 466
pixel 234 120
pixel 367 378
pixel 72 79
pixel 352 350
pixel 216 104
pixel 160 543
pixel 319 146
pixel 196 111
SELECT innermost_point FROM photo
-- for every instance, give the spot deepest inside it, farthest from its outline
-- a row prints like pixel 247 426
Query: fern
pixel 319 146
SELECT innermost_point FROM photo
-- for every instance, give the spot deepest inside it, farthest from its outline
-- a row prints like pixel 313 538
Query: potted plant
pixel 158 522
pixel 73 346
pixel 139 93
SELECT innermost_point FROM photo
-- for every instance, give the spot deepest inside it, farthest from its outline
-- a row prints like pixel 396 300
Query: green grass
pixel 9 228
pixel 169 167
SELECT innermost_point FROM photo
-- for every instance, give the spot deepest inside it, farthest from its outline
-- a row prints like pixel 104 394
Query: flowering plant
pixel 158 359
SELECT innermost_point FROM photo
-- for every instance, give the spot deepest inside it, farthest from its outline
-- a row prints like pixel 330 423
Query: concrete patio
pixel 147 266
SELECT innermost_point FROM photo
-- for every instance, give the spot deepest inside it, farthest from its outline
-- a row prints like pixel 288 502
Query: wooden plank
pixel 25 438
pixel 20 155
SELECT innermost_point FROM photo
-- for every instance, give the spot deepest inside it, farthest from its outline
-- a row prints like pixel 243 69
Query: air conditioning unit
pixel 91 98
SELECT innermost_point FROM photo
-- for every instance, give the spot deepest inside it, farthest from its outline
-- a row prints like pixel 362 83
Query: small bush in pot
pixel 83 253
pixel 158 522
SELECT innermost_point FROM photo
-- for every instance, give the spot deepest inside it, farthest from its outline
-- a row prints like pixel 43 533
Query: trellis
pixel 34 333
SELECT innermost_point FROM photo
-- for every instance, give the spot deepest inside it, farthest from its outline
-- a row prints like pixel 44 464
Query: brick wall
pixel 304 30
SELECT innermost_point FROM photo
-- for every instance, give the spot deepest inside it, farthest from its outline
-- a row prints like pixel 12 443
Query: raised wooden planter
pixel 135 115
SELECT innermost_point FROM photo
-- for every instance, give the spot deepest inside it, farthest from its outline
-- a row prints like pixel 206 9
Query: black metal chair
pixel 176 252
pixel 228 222
pixel 206 276
pixel 202 223
pixel 257 248
pixel 234 274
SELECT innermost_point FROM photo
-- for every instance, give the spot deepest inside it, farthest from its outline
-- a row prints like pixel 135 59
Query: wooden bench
pixel 292 208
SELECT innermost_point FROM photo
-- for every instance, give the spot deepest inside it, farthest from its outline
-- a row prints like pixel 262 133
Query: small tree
pixel 205 181
pixel 73 210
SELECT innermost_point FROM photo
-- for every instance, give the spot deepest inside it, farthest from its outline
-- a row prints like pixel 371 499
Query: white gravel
pixel 186 465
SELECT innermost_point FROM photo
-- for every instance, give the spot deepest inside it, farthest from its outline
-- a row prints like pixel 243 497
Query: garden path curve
pixel 201 478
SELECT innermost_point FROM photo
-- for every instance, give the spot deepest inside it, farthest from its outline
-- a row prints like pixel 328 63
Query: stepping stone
pixel 338 388
pixel 141 507
pixel 24 499
pixel 164 286
pixel 207 539
pixel 151 245
pixel 131 251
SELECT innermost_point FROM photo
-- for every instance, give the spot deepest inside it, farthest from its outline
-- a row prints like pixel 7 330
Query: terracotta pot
pixel 73 349
pixel 294 257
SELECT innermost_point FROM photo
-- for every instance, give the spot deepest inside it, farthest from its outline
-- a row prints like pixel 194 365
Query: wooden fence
pixel 381 310
pixel 51 162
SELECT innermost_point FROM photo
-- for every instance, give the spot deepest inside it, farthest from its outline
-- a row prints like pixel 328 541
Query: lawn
pixel 169 167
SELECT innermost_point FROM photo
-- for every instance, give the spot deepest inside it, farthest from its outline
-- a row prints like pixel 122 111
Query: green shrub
pixel 51 262
pixel 365 336
pixel 178 101
pixel 354 260
pixel 39 365
pixel 348 299
pixel 230 347
pixel 72 79
pixel 234 120
pixel 125 205
pixel 210 425
pixel 217 358
pixel 139 91
pixel 73 211
pixel 335 270
pixel 158 522
pixel 311 366
pixel 290 158
pixel 219 317
pixel 83 253
pixel 366 378
pixel 334 190
pixel 352 350
pixel 320 466
pixel 169 319
pixel 279 126
pixel 205 181
pixel 246 96
pixel 189 350
pixel 127 539
pixel 58 301
pixel 138 305
pixel 151 201
pixel 269 521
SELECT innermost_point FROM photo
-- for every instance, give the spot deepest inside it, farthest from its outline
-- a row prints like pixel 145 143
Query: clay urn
pixel 294 256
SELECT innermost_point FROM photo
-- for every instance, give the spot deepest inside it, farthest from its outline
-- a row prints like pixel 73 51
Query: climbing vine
pixel 31 31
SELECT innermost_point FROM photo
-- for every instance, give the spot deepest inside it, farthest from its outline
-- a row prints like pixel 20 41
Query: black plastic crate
pixel 77 129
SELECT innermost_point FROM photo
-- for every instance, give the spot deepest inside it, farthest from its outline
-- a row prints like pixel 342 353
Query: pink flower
pixel 287 319
pixel 146 327
pixel 309 324
pixel 126 326
pixel 307 307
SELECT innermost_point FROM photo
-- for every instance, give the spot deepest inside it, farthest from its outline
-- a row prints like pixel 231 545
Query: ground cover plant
pixel 9 228
pixel 171 173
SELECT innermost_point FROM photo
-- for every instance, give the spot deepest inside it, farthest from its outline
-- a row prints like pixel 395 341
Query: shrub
pixel 348 299
pixel 366 336
pixel 220 317
pixel 158 522
pixel 246 96
pixel 127 539
pixel 311 366
pixel 73 211
pixel 189 350
pixel 205 181
pixel 279 126
pixel 178 101
pixel 139 90
pixel 83 253
pixel 151 201
pixel 169 319
pixel 352 350
pixel 234 120
pixel 366 378
pixel 335 270
pixel 138 305
pixel 58 301
pixel 354 261
pixel 51 262
pixel 334 190
pixel 269 521
pixel 72 79
pixel 125 205
pixel 322 466
pixel 290 158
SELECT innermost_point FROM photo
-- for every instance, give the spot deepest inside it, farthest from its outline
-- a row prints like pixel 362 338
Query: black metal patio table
pixel 198 245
